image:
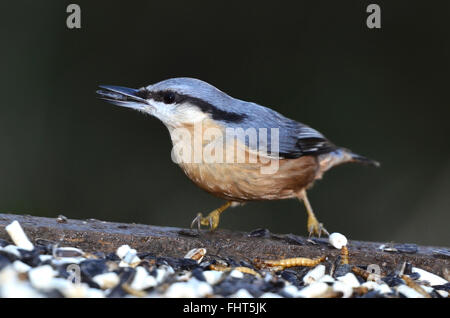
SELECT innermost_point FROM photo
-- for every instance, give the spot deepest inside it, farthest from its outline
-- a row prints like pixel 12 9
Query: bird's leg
pixel 212 220
pixel 314 227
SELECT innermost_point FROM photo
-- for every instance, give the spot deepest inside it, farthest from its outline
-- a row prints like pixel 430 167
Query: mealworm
pixel 411 283
pixel 247 270
pixel 137 293
pixel 344 255
pixel 289 262
pixel 218 267
pixel 242 269
pixel 368 276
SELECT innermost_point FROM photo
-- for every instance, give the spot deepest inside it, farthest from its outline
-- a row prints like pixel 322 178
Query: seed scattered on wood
pixel 44 272
pixel 18 236
pixel 259 233
pixel 406 248
pixel 337 240
pixel 314 275
pixel 196 254
pixel 61 219
pixel 441 253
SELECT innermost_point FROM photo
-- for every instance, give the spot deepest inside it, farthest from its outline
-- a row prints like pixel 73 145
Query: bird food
pixel 51 271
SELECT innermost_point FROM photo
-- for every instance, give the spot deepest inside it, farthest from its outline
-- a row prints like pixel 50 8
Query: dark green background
pixel 382 93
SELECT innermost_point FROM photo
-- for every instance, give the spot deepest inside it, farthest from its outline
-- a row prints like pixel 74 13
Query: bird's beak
pixel 122 96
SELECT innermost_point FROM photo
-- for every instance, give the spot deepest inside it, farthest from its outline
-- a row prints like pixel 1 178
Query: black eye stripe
pixel 170 97
pixel 143 93
pixel 167 97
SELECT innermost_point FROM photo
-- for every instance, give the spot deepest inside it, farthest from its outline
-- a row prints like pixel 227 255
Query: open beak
pixel 122 96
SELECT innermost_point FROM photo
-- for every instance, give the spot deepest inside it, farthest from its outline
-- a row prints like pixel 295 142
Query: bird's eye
pixel 168 97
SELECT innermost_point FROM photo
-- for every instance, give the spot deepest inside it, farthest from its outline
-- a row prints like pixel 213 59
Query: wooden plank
pixel 94 235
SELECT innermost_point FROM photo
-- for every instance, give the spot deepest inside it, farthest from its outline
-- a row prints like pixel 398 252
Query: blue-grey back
pixel 295 138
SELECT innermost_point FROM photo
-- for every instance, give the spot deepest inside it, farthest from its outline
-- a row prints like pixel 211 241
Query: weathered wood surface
pixel 94 235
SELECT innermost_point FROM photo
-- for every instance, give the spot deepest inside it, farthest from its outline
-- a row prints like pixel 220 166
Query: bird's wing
pixel 290 140
pixel 298 140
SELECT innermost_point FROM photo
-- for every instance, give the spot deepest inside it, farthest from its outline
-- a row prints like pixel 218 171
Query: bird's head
pixel 176 102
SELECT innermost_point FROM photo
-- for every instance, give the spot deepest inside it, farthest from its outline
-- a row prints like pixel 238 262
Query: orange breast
pixel 245 182
pixel 249 180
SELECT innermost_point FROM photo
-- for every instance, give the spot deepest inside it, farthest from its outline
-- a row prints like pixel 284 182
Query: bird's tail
pixel 340 156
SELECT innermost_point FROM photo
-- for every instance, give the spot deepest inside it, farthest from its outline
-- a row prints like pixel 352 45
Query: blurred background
pixel 383 93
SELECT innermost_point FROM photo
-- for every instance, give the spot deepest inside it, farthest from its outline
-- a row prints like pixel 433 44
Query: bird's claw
pixel 197 220
pixel 316 228
pixel 212 220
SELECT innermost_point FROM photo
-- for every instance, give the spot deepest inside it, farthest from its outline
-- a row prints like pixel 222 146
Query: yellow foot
pixel 212 220
pixel 315 228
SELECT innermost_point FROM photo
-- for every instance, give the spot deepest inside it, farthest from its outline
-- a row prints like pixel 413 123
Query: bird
pixel 283 163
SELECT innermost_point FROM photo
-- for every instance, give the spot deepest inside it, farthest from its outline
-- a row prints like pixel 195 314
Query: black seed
pixel 93 267
pixel 61 219
pixel 46 246
pixel 153 272
pixel 441 253
pixel 284 294
pixel 146 255
pixel 272 286
pixel 393 280
pixel 293 239
pixel 408 269
pixel 163 261
pixel 435 294
pixel 177 263
pixel 372 294
pixel 414 276
pixel 62 270
pixel 205 264
pixel 259 233
pixel 231 285
pixel 341 270
pixel 246 264
pixel 99 254
pixel 61 252
pixel 290 276
pixel 190 233
pixel 321 241
pixel 31 257
pixel 10 256
pixel 231 262
pixel 406 248
pixel 126 274
pixel 112 257
pixel 445 287
pixel 198 274
pixel 53 294
pixel 117 292
pixel 4 261
pixel 188 264
pixel 4 243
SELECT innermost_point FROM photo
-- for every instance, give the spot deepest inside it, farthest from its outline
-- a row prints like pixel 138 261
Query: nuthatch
pixel 302 154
